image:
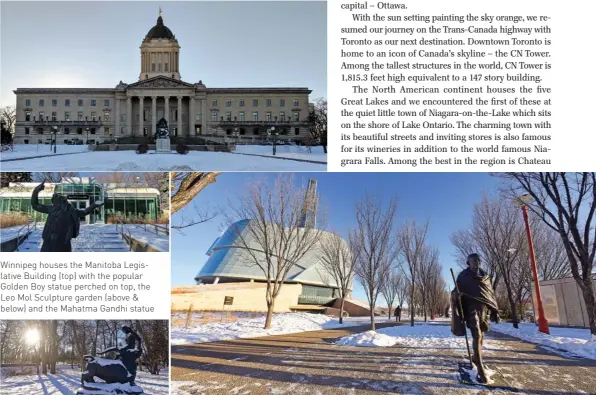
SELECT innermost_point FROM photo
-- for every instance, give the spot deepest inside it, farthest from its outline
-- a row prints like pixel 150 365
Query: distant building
pixel 191 109
pixel 124 201
pixel 227 262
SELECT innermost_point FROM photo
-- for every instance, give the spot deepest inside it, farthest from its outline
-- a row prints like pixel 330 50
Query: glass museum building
pixel 122 201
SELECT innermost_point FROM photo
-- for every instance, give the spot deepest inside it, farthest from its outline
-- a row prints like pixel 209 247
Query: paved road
pixel 308 363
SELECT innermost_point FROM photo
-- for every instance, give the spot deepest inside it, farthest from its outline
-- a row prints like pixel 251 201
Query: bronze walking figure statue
pixel 63 221
pixel 474 305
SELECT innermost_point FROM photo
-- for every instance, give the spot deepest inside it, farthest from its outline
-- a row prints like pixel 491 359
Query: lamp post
pixel 236 135
pixel 87 130
pixel 271 132
pixel 54 133
pixel 523 201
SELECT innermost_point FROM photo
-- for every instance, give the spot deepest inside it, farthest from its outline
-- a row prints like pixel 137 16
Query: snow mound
pixel 253 327
pixel 419 336
pixel 367 339
pixel 576 341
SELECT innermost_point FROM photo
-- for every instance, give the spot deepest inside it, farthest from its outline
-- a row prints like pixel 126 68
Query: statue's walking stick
pixel 461 315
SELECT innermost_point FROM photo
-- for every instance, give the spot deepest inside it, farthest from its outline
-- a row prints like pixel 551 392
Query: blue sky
pixel 78 44
pixel 445 199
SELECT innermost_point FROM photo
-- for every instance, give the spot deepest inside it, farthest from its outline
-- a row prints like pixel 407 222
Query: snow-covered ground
pixel 67 381
pixel 100 238
pixel 130 161
pixel 420 335
pixel 282 323
pixel 285 151
pixel 31 150
pixel 571 340
pixel 12 232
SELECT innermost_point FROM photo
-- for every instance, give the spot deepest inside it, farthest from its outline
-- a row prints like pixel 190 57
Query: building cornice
pixel 258 90
pixel 64 90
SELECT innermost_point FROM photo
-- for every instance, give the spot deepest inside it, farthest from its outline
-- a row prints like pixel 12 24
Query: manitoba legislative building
pixel 191 109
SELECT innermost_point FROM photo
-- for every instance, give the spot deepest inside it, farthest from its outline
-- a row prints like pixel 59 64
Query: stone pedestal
pixel 162 146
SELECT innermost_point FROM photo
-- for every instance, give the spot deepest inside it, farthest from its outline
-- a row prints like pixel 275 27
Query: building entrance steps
pixel 92 238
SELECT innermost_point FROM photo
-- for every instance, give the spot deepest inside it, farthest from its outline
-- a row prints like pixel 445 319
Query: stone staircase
pixel 92 238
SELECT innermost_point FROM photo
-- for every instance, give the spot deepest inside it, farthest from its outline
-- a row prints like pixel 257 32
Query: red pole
pixel 542 322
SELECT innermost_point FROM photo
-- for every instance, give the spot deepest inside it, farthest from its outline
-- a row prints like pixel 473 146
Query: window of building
pixel 41 114
pixel 282 102
pixel 255 116
pixel 255 102
pixel 121 130
pixel 152 66
pixel 256 131
pixel 54 102
pixel 229 132
pixel 296 131
pixel 241 102
pixel 92 130
pixel 228 103
pixel 241 116
pixel 214 116
pixel 296 116
pixel 67 116
pixel 295 103
pixel 67 102
pixel 106 102
pixel 39 130
pixel 106 116
pixel 106 130
pixel 228 116
pixel 93 102
pixel 123 117
pixel 175 115
pixel 268 102
pixel 26 130
pixel 79 130
pixel 145 115
pixel 145 130
pixel 41 102
pixel 165 67
pixel 198 117
pixel 93 116
pixel 66 130
pixel 159 113
pixel 159 67
pixel 27 102
pixel 26 141
pixel 282 116
pixel 268 115
pixel 214 103
pixel 80 103
pixel 28 116
pixel 175 131
pixel 54 116
pixel 80 115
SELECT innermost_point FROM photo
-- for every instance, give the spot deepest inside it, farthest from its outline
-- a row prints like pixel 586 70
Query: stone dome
pixel 160 31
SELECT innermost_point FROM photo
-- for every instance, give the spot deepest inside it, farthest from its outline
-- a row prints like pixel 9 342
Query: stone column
pixel 179 119
pixel 141 120
pixel 117 122
pixel 204 116
pixel 129 115
pixel 167 110
pixel 153 115
pixel 191 116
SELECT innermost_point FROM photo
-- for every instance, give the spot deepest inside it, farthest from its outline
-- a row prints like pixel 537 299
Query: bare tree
pixel 402 287
pixel 391 288
pixel 411 240
pixel 429 266
pixel 549 251
pixel 53 177
pixel 8 115
pixel 339 261
pixel 373 236
pixel 184 188
pixel 317 120
pixel 566 202
pixel 271 233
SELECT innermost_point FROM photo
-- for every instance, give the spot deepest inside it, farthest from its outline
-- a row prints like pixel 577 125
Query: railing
pixel 28 227
pixel 262 123
pixel 122 230
pixel 64 123
pixel 154 228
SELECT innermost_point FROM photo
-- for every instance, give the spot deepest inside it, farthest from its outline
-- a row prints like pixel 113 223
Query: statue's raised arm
pixel 90 209
pixel 35 200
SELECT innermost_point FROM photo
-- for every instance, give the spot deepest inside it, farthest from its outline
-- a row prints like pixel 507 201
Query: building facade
pixel 132 110
pixel 127 202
